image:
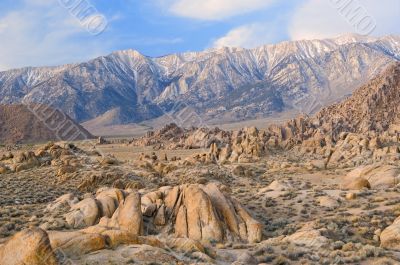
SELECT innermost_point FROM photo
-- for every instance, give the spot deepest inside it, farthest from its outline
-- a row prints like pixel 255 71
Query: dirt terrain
pixel 282 191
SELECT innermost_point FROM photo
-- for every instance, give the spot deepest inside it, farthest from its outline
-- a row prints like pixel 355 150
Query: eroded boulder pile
pixel 174 137
pixel 244 146
pixel 170 133
pixel 110 207
pixel 200 212
pixel 67 158
pixel 375 176
pixel 186 218
pixel 350 149
pixel 204 138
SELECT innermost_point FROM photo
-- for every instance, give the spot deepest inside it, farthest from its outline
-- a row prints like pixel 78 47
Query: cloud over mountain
pixel 323 19
pixel 215 9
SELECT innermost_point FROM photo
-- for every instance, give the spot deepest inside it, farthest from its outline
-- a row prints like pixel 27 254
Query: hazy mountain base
pixel 100 128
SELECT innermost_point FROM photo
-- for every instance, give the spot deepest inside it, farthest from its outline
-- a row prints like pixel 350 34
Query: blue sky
pixel 47 32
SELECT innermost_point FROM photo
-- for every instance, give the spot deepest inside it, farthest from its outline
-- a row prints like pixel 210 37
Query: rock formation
pixel 200 212
pixel 31 247
pixel 197 212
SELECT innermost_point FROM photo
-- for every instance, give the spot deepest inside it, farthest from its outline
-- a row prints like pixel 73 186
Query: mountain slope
pixel 23 124
pixel 373 107
pixel 222 84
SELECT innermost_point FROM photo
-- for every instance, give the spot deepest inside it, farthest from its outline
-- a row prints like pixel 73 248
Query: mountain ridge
pixel 143 87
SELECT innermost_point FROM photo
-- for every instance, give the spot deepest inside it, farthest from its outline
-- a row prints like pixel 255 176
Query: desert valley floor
pixel 309 214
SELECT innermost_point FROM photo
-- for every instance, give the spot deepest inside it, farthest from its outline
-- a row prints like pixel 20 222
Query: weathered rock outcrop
pixel 201 213
pixel 390 237
pixel 127 217
pixel 357 184
pixel 66 157
pixel 243 146
pixel 84 213
pixel 111 208
pixel 31 247
pixel 380 176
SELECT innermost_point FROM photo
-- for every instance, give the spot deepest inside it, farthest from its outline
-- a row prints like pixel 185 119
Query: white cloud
pixel 249 36
pixel 158 41
pixel 328 18
pixel 43 33
pixel 214 9
pixel 40 2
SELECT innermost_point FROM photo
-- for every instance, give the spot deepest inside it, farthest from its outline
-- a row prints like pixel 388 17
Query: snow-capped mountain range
pixel 220 84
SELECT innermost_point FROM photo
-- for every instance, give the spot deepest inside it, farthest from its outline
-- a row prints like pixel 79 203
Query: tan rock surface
pixel 28 247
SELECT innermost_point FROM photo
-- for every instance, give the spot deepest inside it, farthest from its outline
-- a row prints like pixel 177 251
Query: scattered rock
pixel 329 202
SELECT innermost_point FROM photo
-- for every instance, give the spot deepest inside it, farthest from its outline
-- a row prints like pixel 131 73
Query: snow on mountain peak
pixel 244 82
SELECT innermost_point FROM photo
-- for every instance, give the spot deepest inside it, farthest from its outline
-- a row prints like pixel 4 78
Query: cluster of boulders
pixel 92 180
pixel 88 169
pixel 170 133
pixel 64 157
pixel 291 133
pixel 174 137
pixel 25 161
pixel 186 218
pixel 153 167
pixel 199 212
pixel 357 149
pixel 204 138
pixel 244 146
pixel 302 135
pixel 90 210
pixel 351 149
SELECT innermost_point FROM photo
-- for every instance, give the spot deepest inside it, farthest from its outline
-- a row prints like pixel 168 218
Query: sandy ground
pixel 128 153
